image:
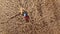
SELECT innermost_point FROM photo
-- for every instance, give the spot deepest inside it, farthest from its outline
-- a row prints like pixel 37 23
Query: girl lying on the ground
pixel 25 14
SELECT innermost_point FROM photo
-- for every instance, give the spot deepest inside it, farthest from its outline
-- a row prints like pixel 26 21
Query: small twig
pixel 13 17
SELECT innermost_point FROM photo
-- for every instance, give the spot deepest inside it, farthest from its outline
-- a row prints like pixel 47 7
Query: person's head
pixel 25 13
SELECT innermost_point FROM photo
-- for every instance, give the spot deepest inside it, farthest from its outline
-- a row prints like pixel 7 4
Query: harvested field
pixel 44 17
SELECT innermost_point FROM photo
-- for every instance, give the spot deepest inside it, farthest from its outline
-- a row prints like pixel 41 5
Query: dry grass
pixel 44 17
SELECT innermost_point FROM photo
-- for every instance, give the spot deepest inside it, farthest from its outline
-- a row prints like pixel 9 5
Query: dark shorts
pixel 27 18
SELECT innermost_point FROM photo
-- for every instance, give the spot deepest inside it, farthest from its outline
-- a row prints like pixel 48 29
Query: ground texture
pixel 44 17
